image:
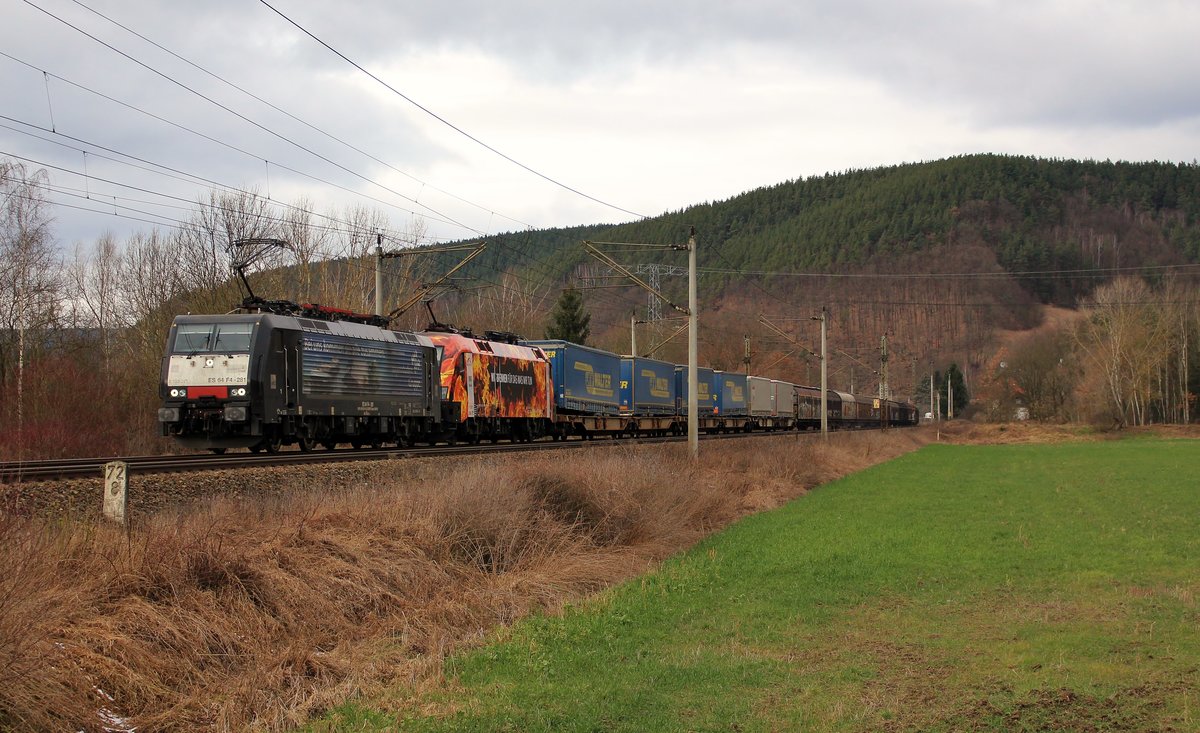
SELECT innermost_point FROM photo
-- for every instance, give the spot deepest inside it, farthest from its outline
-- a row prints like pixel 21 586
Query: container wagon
pixel 587 382
pixel 647 393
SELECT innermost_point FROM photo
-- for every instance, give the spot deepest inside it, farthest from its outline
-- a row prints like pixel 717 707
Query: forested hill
pixel 1033 214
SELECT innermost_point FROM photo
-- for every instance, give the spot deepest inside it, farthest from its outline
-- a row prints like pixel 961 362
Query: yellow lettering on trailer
pixel 599 385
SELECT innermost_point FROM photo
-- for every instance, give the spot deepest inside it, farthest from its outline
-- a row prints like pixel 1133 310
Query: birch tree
pixel 30 283
pixel 1126 340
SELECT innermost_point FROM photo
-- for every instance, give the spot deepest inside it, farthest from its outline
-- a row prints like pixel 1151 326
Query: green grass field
pixel 994 588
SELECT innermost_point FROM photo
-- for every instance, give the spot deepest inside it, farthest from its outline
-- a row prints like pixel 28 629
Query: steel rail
pixel 23 471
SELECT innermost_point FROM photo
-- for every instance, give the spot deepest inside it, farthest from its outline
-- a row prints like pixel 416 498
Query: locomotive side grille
pixel 341 366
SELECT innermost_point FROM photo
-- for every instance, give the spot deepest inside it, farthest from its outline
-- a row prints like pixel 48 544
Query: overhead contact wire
pixel 245 118
pixel 309 125
pixel 446 122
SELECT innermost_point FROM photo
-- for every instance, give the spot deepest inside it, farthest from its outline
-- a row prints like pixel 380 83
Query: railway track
pixel 22 471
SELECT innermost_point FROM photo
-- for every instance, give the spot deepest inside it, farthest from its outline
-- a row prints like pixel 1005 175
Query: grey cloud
pixel 1006 63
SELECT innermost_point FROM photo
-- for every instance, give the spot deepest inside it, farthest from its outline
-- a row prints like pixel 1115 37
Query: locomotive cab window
pixel 193 337
pixel 220 338
pixel 233 337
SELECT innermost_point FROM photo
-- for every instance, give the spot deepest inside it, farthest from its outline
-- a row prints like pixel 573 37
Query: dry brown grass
pixel 257 613
pixel 963 432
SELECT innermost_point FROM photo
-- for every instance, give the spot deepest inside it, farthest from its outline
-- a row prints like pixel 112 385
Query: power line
pixel 348 225
pixel 298 119
pixel 178 225
pixel 245 118
pixel 191 131
pixel 500 239
pixel 997 275
pixel 444 121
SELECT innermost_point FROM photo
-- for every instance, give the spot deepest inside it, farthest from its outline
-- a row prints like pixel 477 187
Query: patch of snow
pixel 110 721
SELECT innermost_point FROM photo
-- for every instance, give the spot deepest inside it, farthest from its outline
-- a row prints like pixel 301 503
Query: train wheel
pixel 272 444
pixel 218 451
pixel 304 444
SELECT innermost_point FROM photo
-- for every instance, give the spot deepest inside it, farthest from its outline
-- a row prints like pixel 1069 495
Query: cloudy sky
pixel 641 107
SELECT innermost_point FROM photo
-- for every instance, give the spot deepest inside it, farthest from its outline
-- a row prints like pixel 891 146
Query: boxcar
pixel 808 407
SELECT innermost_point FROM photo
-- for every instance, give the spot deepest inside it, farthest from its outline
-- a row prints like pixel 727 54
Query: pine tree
pixel 569 322
pixel 958 385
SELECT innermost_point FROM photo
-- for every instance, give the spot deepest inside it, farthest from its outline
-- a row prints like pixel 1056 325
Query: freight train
pixel 321 377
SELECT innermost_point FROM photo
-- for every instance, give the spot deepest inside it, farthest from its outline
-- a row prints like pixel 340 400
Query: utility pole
pixel 691 311
pixel 746 358
pixel 949 398
pixel 822 356
pixel 824 377
pixel 693 351
pixel 379 273
pixel 884 391
pixel 633 333
pixel 932 414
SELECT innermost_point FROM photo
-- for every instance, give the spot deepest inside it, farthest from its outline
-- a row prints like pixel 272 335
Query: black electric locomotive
pixel 262 380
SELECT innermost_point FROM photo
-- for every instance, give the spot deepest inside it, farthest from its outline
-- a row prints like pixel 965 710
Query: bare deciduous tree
pixel 222 219
pixel 95 279
pixel 1127 340
pixel 30 282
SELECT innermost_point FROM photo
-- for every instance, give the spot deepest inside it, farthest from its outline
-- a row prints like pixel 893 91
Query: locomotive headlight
pixel 239 391
pixel 177 393
pixel 168 414
pixel 235 413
